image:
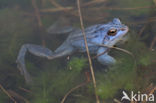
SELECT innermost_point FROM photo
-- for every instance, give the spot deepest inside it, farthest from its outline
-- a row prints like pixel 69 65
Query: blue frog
pixel 101 34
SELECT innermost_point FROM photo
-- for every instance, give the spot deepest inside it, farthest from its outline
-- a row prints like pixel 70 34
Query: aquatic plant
pixel 53 83
pixel 119 76
pixel 77 63
pixel 125 74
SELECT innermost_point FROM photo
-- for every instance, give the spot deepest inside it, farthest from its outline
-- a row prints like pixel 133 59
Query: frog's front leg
pixel 105 59
pixel 42 52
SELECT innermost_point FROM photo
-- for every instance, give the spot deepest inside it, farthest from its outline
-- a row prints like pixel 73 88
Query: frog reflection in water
pixel 107 34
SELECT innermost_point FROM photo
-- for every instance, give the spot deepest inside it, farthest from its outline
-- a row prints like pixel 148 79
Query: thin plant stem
pixel 73 89
pixel 153 43
pixel 120 49
pixel 151 92
pixel 38 17
pixel 37 13
pixel 18 96
pixel 116 101
pixel 56 4
pixel 88 54
pixel 7 93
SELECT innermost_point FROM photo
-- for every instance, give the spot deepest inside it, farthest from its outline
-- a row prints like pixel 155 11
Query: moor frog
pixel 106 34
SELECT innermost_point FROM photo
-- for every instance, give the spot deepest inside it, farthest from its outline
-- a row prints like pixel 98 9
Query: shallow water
pixel 53 79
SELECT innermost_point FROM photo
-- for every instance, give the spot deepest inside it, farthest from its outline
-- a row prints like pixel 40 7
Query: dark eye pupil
pixel 112 32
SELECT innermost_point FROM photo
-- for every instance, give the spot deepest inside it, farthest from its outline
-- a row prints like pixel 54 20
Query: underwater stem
pixel 6 92
pixel 88 54
pixel 38 16
pixel 78 86
pixel 153 43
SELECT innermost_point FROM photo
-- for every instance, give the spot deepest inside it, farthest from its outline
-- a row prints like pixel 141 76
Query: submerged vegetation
pixel 127 71
pixel 54 79
pixel 127 74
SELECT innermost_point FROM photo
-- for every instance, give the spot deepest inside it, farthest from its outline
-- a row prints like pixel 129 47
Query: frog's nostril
pixel 122 29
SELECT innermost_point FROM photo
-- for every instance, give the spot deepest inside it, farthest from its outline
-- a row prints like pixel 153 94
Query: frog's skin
pixel 107 34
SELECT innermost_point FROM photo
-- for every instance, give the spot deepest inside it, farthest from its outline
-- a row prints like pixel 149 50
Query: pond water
pixel 68 79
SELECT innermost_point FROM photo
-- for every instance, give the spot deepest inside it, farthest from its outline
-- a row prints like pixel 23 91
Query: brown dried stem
pixel 93 2
pixel 53 2
pixel 25 90
pixel 61 8
pixel 106 8
pixel 154 2
pixel 151 92
pixel 123 50
pixel 55 9
pixel 116 101
pixel 18 96
pixel 56 4
pixel 142 30
pixel 88 53
pixel 100 54
pixel 37 14
pixel 153 43
pixel 7 93
pixel 135 8
pixel 73 89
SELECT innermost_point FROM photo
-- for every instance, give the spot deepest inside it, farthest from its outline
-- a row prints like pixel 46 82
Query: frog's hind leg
pixel 37 50
pixel 63 50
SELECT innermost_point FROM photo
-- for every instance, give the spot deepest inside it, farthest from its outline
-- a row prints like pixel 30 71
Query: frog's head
pixel 115 32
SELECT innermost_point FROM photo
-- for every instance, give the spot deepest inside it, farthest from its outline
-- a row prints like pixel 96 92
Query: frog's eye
pixel 112 32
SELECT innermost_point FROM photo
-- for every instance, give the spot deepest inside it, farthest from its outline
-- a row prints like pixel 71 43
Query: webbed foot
pixel 23 71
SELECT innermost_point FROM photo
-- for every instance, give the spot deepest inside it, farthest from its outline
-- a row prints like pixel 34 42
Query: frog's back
pixel 93 34
pixel 88 31
pixel 107 34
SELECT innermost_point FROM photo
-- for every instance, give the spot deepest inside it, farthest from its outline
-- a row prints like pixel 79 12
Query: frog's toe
pixel 23 71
